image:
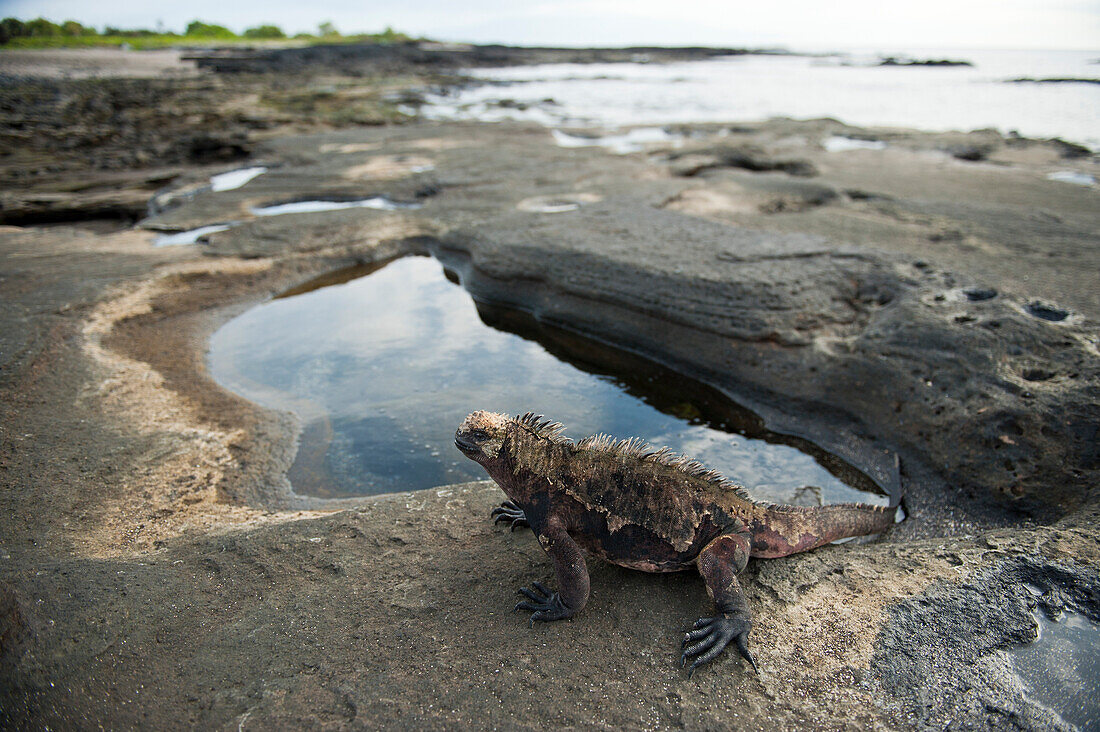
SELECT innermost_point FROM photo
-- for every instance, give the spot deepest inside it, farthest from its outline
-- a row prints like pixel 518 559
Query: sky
pixel 795 24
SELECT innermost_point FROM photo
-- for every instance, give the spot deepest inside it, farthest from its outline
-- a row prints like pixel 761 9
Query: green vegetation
pixel 264 31
pixel 198 29
pixel 42 33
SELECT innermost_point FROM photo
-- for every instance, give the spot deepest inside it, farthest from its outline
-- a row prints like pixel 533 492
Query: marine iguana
pixel 644 509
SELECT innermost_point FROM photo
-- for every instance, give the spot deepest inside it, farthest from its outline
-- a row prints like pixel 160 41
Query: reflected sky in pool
pixel 383 368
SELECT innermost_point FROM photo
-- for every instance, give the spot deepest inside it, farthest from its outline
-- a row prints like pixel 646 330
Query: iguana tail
pixel 778 530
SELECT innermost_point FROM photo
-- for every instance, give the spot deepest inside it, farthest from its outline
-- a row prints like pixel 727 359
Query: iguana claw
pixel 710 635
pixel 509 512
pixel 545 604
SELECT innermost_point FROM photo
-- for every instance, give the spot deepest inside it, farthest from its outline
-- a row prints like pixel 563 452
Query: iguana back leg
pixel 572 578
pixel 719 563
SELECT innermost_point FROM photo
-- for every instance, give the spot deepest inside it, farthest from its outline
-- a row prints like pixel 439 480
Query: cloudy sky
pixel 803 24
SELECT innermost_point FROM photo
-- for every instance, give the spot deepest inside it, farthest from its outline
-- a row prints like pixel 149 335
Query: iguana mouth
pixel 466 447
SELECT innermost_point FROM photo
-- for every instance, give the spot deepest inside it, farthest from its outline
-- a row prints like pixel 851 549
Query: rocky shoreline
pixel 158 569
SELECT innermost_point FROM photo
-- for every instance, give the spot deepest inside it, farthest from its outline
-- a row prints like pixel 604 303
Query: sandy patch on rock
pixel 83 63
pixel 179 489
pixel 209 460
pixel 427 143
pixel 388 167
pixel 351 147
pixel 437 143
pixel 709 202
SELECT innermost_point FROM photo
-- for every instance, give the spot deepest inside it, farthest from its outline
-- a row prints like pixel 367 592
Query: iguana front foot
pixel 544 604
pixel 510 513
pixel 711 635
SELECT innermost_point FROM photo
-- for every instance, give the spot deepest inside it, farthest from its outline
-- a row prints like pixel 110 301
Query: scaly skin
pixel 643 509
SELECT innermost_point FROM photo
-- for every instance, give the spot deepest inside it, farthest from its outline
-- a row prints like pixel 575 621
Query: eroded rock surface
pixel 942 656
pixel 158 567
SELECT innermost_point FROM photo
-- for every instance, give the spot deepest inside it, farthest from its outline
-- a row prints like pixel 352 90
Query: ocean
pixel 851 87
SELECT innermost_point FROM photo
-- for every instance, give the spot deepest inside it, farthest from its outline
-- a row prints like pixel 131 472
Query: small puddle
pixel 1043 311
pixel 376 202
pixel 235 178
pixel 188 237
pixel 382 369
pixel 838 143
pixel 1061 669
pixel 1068 176
pixel 557 204
pixel 631 141
pixel 388 167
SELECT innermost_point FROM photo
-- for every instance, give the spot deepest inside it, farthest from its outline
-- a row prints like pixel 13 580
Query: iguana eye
pixel 480 435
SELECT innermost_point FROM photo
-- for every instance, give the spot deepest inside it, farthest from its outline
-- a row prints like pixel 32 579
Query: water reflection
pixel 235 178
pixel 380 203
pixel 383 368
pixel 190 236
pixel 1069 176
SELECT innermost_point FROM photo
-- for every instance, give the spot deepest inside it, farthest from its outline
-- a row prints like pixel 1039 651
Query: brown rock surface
pixel 156 568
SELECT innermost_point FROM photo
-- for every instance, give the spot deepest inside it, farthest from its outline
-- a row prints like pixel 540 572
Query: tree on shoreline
pixel 40 33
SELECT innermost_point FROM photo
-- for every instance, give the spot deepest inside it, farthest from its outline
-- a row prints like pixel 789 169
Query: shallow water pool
pixel 1061 669
pixel 190 236
pixel 234 179
pixel 380 203
pixel 383 362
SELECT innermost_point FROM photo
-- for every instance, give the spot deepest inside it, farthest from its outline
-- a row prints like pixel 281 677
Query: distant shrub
pixel 391 36
pixel 42 28
pixel 72 28
pixel 12 28
pixel 42 33
pixel 129 32
pixel 199 29
pixel 265 31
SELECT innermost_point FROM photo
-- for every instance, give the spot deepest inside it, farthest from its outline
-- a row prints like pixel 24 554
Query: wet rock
pixel 942 236
pixel 939 660
pixel 14 633
pixel 1054 80
pixel 1043 311
pixel 971 153
pixel 58 126
pixel 363 58
pixel 215 148
pixel 1037 374
pixel 979 294
pixel 859 195
pixel 29 209
pixel 1070 150
pixel 744 157
pixel 804 198
pixel 896 61
pixel 137 534
pixel 725 300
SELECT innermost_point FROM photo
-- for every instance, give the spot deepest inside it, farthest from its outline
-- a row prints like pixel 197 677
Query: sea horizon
pixel 1008 90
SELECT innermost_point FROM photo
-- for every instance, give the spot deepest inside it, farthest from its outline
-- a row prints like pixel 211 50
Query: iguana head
pixel 481 435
